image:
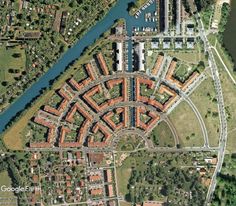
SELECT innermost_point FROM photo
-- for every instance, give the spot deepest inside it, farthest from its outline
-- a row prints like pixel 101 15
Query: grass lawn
pixel 231 142
pixel 187 125
pixel 128 142
pixel 204 99
pixel 206 15
pixel 124 203
pixel 5 180
pixel 229 93
pixel 182 72
pixel 192 57
pixel 229 166
pixel 212 39
pixel 162 135
pixel 226 59
pixel 151 59
pixel 9 62
pixel 14 138
pixel 123 174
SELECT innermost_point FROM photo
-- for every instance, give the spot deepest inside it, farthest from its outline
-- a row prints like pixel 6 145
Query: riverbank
pixel 229 34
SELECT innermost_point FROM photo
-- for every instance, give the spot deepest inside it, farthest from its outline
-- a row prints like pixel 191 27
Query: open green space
pixel 204 97
pixel 229 94
pixel 183 118
pixel 115 92
pixel 146 176
pixel 6 181
pixel 206 16
pixel 129 143
pixel 145 91
pixel 192 57
pixel 151 57
pixel 99 98
pixel 123 174
pixel 55 100
pixel 124 203
pixel 162 136
pixel 183 71
pixel 12 65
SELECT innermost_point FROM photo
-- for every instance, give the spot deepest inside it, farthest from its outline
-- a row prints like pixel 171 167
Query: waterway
pixel 117 12
pixel 230 32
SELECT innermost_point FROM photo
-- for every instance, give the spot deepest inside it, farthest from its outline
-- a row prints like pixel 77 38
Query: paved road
pixel 173 130
pixel 174 149
pixel 194 108
pixel 222 114
pixel 199 117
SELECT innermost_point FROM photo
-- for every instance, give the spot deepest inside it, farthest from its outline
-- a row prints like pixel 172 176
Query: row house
pixel 91 77
pixel 173 96
pixel 151 85
pixel 124 121
pixel 158 64
pixel 106 136
pixel 50 135
pixel 154 117
pixel 170 77
pixel 88 97
pixel 102 64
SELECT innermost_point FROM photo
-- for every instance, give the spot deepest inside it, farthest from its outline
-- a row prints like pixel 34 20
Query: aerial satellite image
pixel 117 103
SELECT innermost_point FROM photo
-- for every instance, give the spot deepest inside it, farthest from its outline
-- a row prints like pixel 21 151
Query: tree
pixel 4 83
pixel 16 55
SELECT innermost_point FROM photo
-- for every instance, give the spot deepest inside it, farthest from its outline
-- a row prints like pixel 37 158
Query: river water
pixel 230 32
pixel 117 12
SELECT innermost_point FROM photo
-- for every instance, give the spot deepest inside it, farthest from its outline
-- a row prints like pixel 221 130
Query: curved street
pixel 222 114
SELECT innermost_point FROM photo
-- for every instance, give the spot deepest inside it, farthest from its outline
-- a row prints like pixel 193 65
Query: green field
pixel 5 180
pixel 183 119
pixel 151 58
pixel 204 97
pixel 162 135
pixel 192 57
pixel 9 62
pixel 123 174
pixel 129 143
pixel 183 71
pixel 124 203
pixel 229 92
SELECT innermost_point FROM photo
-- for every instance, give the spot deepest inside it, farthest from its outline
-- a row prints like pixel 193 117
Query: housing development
pixel 134 108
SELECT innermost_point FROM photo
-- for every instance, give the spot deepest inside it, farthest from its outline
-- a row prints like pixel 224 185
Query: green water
pixel 230 32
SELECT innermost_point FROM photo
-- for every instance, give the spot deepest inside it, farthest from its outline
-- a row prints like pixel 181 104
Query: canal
pixel 230 32
pixel 117 12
